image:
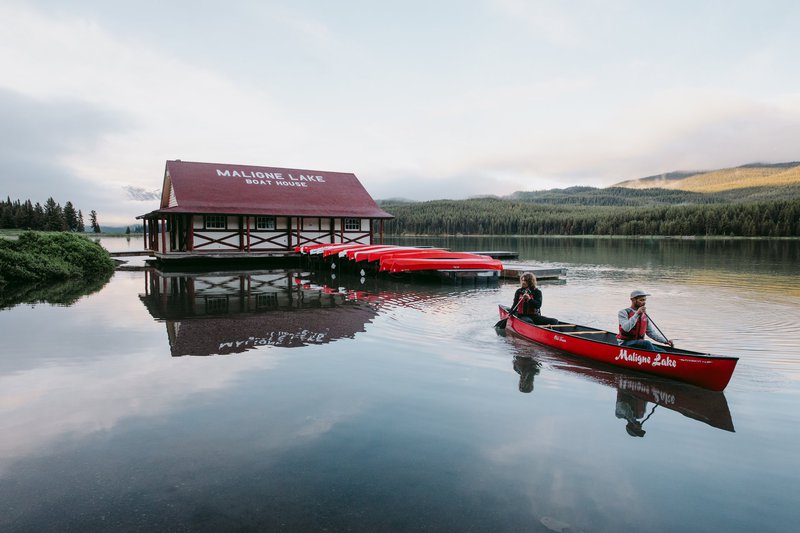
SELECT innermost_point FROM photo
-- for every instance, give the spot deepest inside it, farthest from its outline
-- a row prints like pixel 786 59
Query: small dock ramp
pixel 515 270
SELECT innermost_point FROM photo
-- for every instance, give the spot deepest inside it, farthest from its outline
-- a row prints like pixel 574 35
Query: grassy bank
pixel 36 256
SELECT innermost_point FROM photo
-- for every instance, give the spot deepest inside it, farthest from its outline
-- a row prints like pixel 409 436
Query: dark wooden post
pixel 163 234
pixel 299 229
pixel 371 230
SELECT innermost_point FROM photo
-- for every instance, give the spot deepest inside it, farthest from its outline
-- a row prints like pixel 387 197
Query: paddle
pixel 502 323
pixel 656 326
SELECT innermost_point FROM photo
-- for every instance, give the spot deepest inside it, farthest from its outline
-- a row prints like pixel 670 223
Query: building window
pixel 216 222
pixel 265 223
pixel 352 224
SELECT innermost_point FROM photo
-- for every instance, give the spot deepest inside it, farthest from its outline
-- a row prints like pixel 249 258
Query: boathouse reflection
pixel 231 312
pixel 638 395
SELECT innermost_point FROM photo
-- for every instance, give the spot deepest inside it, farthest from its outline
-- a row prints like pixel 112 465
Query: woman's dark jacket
pixel 532 306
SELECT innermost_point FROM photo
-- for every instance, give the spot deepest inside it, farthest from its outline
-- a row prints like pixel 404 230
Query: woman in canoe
pixel 528 301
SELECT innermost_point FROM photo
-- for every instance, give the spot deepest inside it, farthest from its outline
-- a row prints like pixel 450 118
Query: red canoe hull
pixel 412 264
pixel 704 370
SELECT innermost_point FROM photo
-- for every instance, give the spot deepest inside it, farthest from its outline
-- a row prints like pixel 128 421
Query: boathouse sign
pixel 271 178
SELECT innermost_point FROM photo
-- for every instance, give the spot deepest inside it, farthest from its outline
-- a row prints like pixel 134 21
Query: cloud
pixel 142 195
pixel 680 129
pixel 120 110
pixel 414 186
pixel 36 136
pixel 543 20
pixel 509 96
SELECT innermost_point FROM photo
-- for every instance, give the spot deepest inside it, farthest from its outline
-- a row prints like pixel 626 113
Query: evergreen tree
pixel 38 217
pixel 93 221
pixel 53 216
pixel 6 214
pixel 70 217
pixel 81 226
pixel 25 218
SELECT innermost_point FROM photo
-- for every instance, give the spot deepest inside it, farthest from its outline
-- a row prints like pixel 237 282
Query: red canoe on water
pixel 712 372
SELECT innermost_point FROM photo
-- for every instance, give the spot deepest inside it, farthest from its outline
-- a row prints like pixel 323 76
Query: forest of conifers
pixel 50 217
pixel 773 212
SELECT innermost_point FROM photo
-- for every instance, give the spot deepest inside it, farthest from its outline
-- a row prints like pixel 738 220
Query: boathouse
pixel 240 211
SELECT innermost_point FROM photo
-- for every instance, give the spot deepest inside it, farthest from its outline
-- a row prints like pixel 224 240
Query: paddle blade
pixel 501 324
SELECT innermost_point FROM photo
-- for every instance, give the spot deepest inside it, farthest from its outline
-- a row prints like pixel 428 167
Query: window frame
pixel 353 223
pixel 267 220
pixel 217 219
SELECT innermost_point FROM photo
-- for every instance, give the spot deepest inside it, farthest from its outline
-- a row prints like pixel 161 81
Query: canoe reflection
pixel 224 313
pixel 638 396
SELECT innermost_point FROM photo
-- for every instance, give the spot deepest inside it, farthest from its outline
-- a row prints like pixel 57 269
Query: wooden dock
pixel 515 270
pixel 131 253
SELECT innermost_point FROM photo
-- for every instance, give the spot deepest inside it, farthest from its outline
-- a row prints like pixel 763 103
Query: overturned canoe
pixel 446 262
pixel 709 371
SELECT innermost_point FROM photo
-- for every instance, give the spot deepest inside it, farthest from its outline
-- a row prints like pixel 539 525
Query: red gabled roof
pixel 191 187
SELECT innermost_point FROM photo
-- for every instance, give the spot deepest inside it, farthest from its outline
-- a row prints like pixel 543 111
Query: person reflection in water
pixel 529 298
pixel 527 368
pixel 632 409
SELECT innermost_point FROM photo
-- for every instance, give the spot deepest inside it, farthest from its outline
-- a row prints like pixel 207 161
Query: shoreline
pixel 609 237
pixel 17 232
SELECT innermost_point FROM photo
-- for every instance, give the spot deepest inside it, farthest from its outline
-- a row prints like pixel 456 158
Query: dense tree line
pixel 624 196
pixel 495 216
pixel 614 196
pixel 50 217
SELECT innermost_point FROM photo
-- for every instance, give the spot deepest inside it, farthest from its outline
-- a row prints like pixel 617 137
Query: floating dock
pixel 498 254
pixel 131 253
pixel 515 270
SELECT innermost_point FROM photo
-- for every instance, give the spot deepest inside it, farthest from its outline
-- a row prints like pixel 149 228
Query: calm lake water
pixel 294 401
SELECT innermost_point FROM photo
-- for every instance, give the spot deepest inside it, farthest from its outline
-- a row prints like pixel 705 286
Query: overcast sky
pixel 420 99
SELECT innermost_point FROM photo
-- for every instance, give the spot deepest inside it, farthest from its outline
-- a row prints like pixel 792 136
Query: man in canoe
pixel 528 301
pixel 634 324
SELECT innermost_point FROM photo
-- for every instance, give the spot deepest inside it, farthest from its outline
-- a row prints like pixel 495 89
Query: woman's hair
pixel 530 278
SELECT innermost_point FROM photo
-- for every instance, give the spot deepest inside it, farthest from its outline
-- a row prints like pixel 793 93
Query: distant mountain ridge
pixel 755 200
pixel 715 181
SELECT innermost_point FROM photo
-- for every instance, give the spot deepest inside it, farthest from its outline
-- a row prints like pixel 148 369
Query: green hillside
pixel 744 177
pixel 751 201
pixel 497 216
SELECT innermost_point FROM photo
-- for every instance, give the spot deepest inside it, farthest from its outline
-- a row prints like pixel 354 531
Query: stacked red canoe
pixel 405 259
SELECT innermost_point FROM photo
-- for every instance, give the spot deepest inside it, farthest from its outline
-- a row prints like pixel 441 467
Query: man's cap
pixel 637 293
